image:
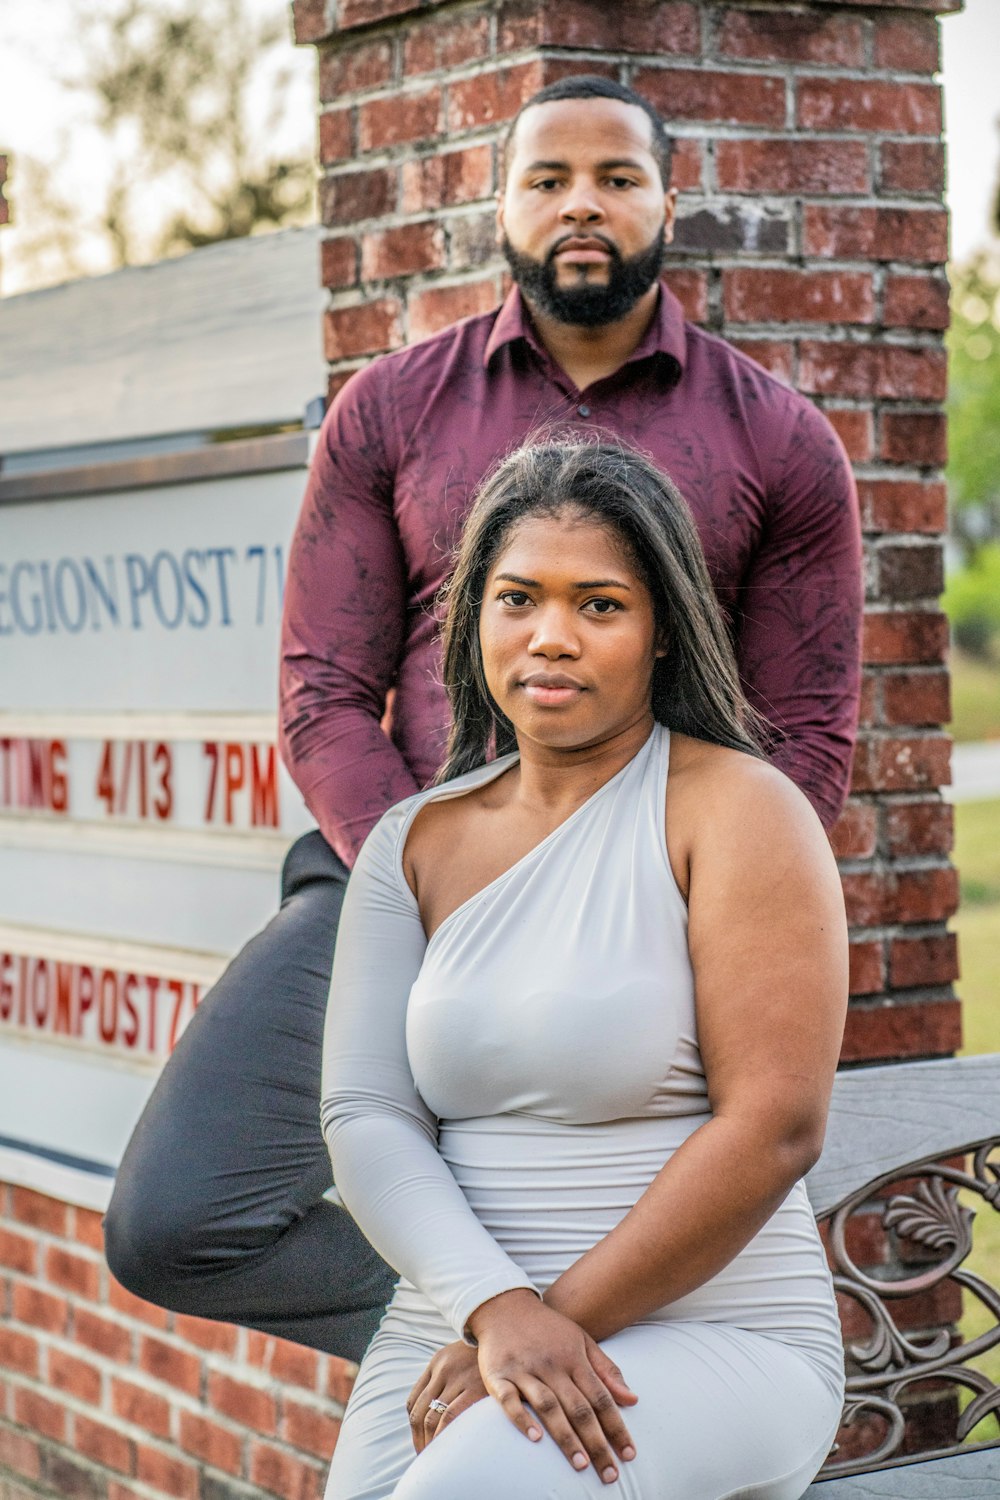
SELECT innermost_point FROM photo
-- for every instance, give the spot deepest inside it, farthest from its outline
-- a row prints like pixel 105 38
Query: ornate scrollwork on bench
pixel 928 1221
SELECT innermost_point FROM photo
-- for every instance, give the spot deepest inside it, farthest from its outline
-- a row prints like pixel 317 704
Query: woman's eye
pixel 514 597
pixel 603 606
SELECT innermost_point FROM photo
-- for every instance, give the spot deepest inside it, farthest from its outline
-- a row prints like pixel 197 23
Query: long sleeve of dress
pixel 382 1137
pixel 798 643
pixel 343 626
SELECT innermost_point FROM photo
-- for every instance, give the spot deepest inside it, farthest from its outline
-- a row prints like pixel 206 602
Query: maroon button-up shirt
pixel 400 454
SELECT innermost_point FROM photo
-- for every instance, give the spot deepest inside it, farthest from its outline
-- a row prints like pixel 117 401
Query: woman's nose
pixel 554 634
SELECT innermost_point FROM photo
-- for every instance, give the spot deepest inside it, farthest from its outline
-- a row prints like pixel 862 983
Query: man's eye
pixel 547 183
pixel 621 182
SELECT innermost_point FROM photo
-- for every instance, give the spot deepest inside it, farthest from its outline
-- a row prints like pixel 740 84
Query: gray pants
pixel 218 1208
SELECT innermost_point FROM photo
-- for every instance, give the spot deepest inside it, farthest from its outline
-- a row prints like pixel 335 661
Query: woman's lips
pixel 551 695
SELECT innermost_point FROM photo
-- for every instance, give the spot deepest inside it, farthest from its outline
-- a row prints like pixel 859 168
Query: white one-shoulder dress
pixel 495 1100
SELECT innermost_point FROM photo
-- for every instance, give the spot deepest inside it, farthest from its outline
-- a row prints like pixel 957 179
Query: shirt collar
pixel 665 335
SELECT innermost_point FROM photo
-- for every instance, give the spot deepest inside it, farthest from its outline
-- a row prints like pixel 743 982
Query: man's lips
pixel 582 251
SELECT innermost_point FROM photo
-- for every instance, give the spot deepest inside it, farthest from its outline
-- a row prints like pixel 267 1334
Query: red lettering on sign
pixel 58 777
pixel 22 996
pixel 152 989
pixel 130 1034
pixel 104 1007
pixel 37 779
pixel 176 988
pixel 105 778
pixel 33 775
pixel 8 783
pixel 108 1005
pixel 234 777
pixel 63 1021
pixel 84 996
pixel 264 787
pixel 6 988
pixel 126 771
pixel 163 802
pixel 212 751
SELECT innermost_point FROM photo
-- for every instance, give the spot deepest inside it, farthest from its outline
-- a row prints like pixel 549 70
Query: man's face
pixel 584 215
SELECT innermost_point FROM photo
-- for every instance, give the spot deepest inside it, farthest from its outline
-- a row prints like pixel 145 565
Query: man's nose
pixel 582 204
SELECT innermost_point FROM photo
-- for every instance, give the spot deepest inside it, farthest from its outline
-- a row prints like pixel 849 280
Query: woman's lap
pixel 722 1412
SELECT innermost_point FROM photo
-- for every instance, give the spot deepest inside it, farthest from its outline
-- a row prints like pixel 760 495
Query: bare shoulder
pixel 444 826
pixel 714 793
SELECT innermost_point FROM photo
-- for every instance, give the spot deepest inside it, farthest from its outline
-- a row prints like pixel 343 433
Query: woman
pixel 585 1014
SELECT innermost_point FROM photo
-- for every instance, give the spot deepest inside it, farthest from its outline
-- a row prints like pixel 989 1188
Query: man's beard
pixel 587 306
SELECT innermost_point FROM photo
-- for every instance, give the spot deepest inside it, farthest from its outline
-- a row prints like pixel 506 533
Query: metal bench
pixel 902 1144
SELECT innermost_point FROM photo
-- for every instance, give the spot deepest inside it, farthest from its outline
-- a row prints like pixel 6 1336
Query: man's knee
pixel 150 1242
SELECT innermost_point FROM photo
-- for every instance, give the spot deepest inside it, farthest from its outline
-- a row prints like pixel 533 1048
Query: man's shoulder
pixel 710 353
pixel 775 414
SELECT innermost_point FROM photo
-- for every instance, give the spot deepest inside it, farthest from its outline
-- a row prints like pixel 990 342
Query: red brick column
pixel 4 205
pixel 811 233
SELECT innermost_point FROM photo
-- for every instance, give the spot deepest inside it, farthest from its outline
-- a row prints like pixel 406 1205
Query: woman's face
pixel 567 633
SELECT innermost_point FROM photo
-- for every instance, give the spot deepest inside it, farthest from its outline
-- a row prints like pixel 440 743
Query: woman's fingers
pixel 606 1370
pixel 608 1418
pixel 449 1384
pixel 586 1425
pixel 422 1414
pixel 506 1392
pixel 583 1418
pixel 458 1403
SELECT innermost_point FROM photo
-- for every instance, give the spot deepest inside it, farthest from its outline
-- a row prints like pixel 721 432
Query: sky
pixel 40 118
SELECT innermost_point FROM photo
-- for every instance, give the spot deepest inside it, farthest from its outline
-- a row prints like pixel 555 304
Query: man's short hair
pixel 594 86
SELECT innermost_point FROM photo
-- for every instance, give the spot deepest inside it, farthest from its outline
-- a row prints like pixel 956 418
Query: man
pixel 218 1209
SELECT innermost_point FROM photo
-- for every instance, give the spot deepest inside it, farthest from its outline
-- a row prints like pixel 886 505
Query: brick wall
pixel 103 1397
pixel 811 233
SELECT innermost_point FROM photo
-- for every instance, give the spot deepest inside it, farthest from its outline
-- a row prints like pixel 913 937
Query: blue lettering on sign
pixel 4 629
pixel 71 597
pixel 102 592
pixel 21 621
pixel 168 590
pixel 193 589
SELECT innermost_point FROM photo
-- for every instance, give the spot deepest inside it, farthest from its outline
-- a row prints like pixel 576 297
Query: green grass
pixel 975 698
pixel 977 855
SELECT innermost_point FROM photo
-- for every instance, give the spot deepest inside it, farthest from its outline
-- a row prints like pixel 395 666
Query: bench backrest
pixel 911 1155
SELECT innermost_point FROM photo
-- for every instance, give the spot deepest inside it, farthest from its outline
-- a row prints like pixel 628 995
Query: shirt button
pixel 584 411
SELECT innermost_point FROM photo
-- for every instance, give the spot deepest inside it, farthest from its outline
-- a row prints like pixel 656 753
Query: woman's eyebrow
pixel 593 583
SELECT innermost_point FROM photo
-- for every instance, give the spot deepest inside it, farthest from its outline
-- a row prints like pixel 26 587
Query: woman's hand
pixel 452 1378
pixel 529 1353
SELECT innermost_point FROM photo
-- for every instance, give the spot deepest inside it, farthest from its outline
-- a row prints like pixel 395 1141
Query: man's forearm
pixel 348 771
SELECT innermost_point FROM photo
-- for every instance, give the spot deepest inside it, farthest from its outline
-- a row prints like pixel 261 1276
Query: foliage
pixel 974 398
pixel 182 134
pixel 972 601
pixel 172 86
pixel 977 855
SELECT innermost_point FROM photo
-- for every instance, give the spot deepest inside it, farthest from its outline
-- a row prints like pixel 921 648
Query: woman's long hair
pixel 696 686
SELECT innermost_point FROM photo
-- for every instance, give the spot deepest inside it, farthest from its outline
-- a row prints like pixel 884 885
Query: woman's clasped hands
pixel 544 1371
